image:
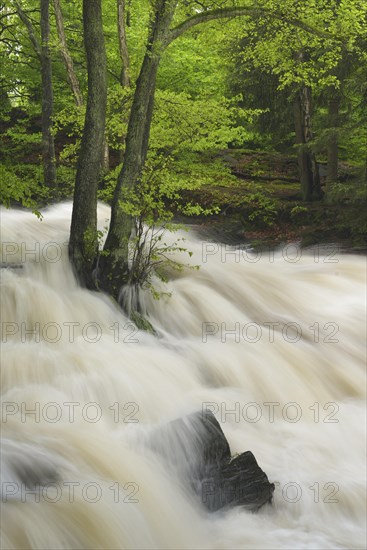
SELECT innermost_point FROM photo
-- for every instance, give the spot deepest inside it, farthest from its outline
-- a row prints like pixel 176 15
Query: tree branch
pixel 64 50
pixel 5 15
pixel 31 33
pixel 223 13
pixel 8 14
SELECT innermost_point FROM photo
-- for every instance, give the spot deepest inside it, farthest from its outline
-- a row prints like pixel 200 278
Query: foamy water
pixel 274 345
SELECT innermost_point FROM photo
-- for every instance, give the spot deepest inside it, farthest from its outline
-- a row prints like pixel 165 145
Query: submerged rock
pixel 197 450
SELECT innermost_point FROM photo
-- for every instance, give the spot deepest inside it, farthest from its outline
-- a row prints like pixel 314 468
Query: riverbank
pixel 262 206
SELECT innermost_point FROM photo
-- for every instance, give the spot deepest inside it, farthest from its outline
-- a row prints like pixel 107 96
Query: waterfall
pixel 273 343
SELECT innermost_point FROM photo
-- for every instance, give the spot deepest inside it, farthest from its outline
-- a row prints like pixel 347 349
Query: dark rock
pixel 36 475
pixel 197 450
pixel 241 482
pixel 193 445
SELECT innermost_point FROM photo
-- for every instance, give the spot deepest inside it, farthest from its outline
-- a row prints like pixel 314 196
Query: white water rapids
pixel 273 345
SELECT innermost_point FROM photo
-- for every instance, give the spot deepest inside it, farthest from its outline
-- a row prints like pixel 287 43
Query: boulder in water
pixel 239 482
pixel 196 448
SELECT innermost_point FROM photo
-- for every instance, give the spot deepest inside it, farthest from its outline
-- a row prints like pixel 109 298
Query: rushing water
pixel 273 345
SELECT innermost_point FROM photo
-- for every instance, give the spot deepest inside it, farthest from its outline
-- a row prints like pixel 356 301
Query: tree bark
pixel 332 146
pixel 83 246
pixel 122 23
pixel 124 53
pixel 48 145
pixel 307 165
pixel 237 11
pixel 106 156
pixel 68 62
pixel 72 78
pixel 304 165
pixel 114 268
pixel 31 33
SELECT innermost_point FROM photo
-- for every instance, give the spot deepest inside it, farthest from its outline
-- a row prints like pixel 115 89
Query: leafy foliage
pixel 226 84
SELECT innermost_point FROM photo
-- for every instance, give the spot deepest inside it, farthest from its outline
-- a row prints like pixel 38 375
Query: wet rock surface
pixel 197 450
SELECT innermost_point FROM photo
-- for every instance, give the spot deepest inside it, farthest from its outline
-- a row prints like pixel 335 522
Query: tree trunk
pixel 106 156
pixel 124 53
pixel 114 268
pixel 72 78
pixel 332 146
pixel 48 146
pixel 304 164
pixel 128 13
pixel 122 23
pixel 307 165
pixel 83 246
pixel 68 62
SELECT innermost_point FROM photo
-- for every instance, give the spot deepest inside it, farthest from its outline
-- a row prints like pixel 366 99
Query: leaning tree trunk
pixel 83 246
pixel 68 62
pixel 114 267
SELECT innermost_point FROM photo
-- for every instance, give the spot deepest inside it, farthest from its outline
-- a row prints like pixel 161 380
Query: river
pixel 272 343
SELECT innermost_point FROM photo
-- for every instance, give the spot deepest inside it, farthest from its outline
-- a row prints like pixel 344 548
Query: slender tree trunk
pixel 307 165
pixel 68 62
pixel 128 13
pixel 304 164
pixel 332 146
pixel 83 246
pixel 124 53
pixel 48 145
pixel 43 53
pixel 114 268
pixel 122 23
pixel 106 156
